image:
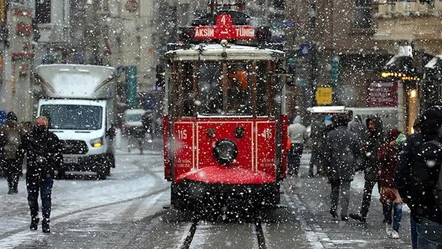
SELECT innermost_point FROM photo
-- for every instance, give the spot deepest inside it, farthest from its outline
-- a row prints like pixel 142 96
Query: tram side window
pixel 262 99
pixel 211 97
pixel 187 93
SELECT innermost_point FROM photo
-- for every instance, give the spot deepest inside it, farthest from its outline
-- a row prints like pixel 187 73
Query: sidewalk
pixel 312 203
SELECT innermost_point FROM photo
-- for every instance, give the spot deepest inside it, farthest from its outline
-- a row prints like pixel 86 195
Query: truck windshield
pixel 73 117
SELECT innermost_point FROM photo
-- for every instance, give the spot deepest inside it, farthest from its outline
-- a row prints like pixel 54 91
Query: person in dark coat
pixel 147 121
pixel 402 172
pixel 317 128
pixel 390 198
pixel 420 198
pixel 330 124
pixel 12 132
pixel 374 137
pixel 341 148
pixel 43 154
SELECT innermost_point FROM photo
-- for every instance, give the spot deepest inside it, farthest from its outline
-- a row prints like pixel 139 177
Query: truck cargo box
pixel 76 81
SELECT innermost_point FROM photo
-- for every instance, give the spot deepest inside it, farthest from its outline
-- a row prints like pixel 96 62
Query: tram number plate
pixel 70 159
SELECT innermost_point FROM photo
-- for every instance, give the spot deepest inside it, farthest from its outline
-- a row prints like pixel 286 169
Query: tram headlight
pixel 225 151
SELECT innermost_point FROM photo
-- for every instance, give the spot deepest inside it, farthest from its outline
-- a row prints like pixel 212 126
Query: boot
pixel 34 223
pixel 358 217
pixel 45 225
pixel 11 191
pixel 388 229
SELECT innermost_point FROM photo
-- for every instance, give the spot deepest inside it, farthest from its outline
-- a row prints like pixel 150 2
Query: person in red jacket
pixel 389 196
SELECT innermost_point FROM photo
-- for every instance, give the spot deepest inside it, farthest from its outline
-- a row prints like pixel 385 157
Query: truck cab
pixel 78 101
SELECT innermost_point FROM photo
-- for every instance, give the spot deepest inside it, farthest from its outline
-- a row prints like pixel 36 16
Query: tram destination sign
pixel 224 29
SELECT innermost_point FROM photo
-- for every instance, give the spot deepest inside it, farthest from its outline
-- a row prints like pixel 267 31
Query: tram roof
pixel 215 52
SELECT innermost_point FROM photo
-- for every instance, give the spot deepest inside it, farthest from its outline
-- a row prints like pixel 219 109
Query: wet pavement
pixel 303 221
pixel 310 199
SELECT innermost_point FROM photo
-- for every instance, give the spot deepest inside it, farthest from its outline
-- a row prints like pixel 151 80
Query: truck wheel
pixel 61 174
pixel 110 161
pixel 102 175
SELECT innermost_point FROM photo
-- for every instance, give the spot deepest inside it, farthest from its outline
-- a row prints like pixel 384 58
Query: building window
pixel 43 11
pixel 362 17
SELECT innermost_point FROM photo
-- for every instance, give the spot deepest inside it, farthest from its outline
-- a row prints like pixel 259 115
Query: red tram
pixel 225 124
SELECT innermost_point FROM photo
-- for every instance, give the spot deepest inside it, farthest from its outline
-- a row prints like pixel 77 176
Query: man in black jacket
pixel 374 137
pixel 43 154
pixel 415 181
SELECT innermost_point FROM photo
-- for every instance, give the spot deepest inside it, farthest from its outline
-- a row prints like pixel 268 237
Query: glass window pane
pixel 363 18
pixel 73 117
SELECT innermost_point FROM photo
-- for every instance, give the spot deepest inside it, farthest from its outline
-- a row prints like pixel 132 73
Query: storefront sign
pixel 382 94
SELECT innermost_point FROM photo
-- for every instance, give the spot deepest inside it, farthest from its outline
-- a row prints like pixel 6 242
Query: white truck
pixel 78 101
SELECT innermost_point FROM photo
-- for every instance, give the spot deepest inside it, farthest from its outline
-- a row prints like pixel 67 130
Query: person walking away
pixel 298 136
pixel 147 121
pixel 330 124
pixel 357 127
pixel 12 132
pixel 341 148
pixel 418 172
pixel 389 195
pixel 403 170
pixel 374 137
pixel 43 156
pixel 317 127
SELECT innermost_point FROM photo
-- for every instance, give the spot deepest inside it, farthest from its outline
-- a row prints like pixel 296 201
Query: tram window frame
pixel 192 89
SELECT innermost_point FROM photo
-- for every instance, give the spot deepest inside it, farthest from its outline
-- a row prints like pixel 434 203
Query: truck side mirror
pixel 111 132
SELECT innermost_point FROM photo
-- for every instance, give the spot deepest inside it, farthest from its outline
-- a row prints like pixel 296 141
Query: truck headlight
pixel 98 142
pixel 225 151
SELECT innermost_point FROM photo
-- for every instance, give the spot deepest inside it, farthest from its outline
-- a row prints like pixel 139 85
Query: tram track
pixel 257 234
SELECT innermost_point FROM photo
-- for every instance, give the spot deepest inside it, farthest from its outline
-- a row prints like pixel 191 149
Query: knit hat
pixel 431 121
pixel 328 119
pixel 11 116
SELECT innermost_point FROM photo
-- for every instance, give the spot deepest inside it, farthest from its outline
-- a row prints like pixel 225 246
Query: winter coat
pixel 404 176
pixel 12 132
pixel 371 144
pixel 297 132
pixel 317 128
pixel 357 127
pixel 341 148
pixel 388 156
pixel 43 152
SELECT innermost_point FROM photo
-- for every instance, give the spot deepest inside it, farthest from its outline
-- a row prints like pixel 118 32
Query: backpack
pixel 429 159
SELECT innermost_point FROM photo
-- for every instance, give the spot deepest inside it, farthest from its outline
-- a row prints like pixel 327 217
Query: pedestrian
pixel 373 139
pixel 147 121
pixel 403 169
pixel 316 130
pixel 43 156
pixel 12 132
pixel 298 136
pixel 416 180
pixel 389 195
pixel 357 127
pixel 341 148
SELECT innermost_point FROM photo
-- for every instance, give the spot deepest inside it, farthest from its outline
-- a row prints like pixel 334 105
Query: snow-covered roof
pixel 215 52
pixel 432 63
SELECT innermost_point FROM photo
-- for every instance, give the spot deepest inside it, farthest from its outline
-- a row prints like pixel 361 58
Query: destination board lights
pixel 224 29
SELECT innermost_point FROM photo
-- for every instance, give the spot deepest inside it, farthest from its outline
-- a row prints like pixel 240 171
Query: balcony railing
pixel 397 8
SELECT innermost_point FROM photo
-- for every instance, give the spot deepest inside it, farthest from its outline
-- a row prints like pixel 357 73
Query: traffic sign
pixel 304 49
pixel 324 95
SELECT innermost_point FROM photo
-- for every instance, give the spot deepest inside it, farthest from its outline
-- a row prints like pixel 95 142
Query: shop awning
pixel 400 64
pixel 434 63
pixel 401 67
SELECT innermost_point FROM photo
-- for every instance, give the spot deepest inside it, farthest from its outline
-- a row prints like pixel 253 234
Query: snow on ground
pixel 72 195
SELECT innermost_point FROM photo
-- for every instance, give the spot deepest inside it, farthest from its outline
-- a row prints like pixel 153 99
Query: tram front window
pixel 212 84
pixel 211 99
